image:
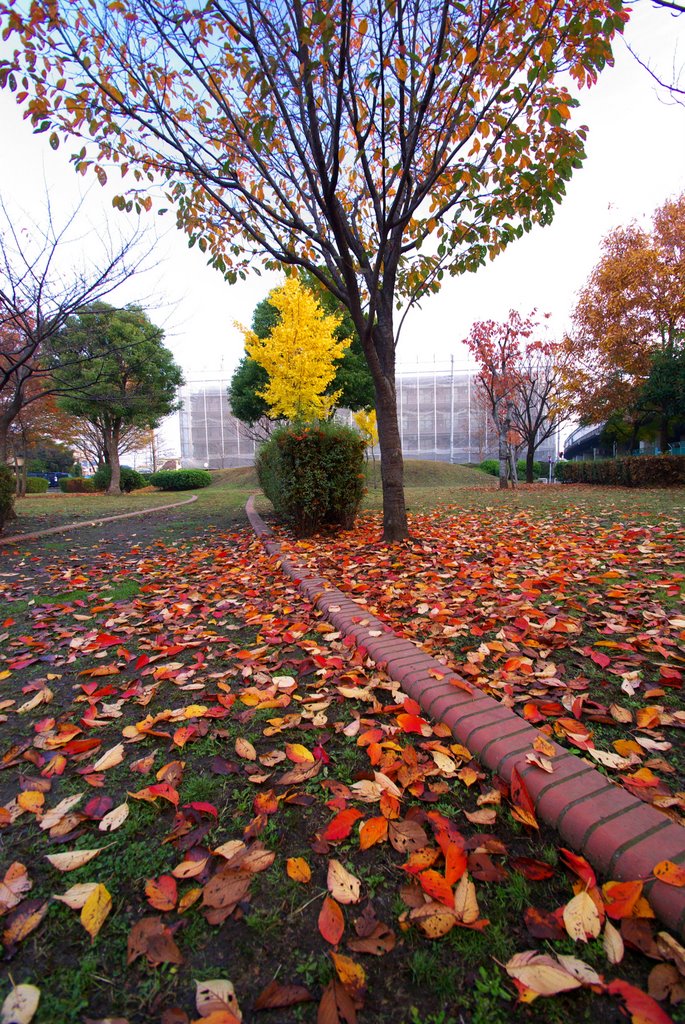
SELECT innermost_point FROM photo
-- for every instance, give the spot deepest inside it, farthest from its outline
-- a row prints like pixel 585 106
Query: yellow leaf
pixel 401 69
pixel 110 759
pixel 465 902
pixel 76 896
pixel 114 818
pixel 245 749
pixel 470 54
pixel 613 943
pixel 95 910
pixel 363 27
pixel 541 973
pixel 298 869
pixel 31 800
pixel 581 918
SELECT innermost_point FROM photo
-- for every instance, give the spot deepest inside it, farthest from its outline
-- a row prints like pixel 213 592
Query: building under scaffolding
pixel 440 409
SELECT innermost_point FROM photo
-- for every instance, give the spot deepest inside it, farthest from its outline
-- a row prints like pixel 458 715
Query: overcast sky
pixel 636 160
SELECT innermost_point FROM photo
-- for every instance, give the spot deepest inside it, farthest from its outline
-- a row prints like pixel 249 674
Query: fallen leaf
pixel 343 886
pixel 150 938
pixel 278 997
pixel 581 918
pixel 541 973
pixel 20 1005
pixel 331 922
pixel 613 943
pixel 95 910
pixel 114 819
pixel 298 869
pixel 216 996
pixel 72 860
pixel 670 873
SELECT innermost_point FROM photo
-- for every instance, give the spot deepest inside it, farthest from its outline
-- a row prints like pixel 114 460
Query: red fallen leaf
pixel 642 1008
pixel 160 789
pixel 162 892
pixel 483 868
pixel 543 924
pixel 456 861
pixel 600 659
pixel 331 922
pixel 412 707
pixel 670 873
pixel 437 887
pixel 98 807
pixel 579 866
pixel 202 808
pixel 519 793
pixel 620 898
pixel 341 825
pixel 533 870
pixel 278 997
pixel 412 724
pixel 151 938
pixel 106 640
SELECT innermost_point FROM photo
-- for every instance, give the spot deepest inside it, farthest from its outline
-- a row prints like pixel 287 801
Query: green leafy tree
pixel 379 145
pixel 124 374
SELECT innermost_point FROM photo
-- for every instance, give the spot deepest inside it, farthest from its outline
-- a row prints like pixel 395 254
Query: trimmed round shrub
pixel 491 466
pixel 77 485
pixel 7 489
pixel 36 485
pixel 130 479
pixel 180 479
pixel 631 471
pixel 313 475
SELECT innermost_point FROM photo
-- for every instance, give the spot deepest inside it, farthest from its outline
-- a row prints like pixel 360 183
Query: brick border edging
pixel 619 834
pixel 18 538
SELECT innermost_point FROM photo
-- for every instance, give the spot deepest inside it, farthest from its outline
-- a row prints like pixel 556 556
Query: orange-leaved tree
pixel 378 145
pixel 632 309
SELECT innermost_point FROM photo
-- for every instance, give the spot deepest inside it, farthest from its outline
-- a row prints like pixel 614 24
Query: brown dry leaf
pixel 581 918
pixel 486 817
pixel 298 869
pixel 433 919
pixel 150 938
pixel 666 982
pixel 620 714
pixel 76 896
pixel 613 943
pixel 279 997
pixel 671 949
pixel 23 920
pixel 55 814
pixel 20 1005
pixel 351 974
pixel 378 943
pixel 245 749
pixel 72 860
pixel 114 818
pixel 343 886
pixel 539 761
pixel 465 902
pixel 230 849
pixel 190 868
pixel 226 888
pixel 13 886
pixel 215 996
pixel 541 973
pixel 95 910
pixel 407 836
pixel 110 759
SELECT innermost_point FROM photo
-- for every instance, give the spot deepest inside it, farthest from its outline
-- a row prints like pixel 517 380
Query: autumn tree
pixel 44 280
pixel 124 375
pixel 352 379
pixel 631 310
pixel 299 355
pixel 540 400
pixel 378 145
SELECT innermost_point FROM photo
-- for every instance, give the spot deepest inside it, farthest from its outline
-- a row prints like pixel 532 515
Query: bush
pixel 36 485
pixel 130 479
pixel 313 475
pixel 7 488
pixel 632 471
pixel 491 466
pixel 180 479
pixel 77 485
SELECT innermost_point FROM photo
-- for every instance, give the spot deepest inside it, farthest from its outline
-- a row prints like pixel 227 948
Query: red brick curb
pixel 19 537
pixel 620 835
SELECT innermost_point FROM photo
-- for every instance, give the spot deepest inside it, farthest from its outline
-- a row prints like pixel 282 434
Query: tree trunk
pixel 663 433
pixel 112 451
pixel 530 460
pixel 503 456
pixel 395 525
pixel 513 473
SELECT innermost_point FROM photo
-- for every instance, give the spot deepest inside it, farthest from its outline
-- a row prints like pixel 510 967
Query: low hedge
pixel 491 466
pixel 77 485
pixel 7 487
pixel 180 479
pixel 130 479
pixel 313 475
pixel 631 471
pixel 36 485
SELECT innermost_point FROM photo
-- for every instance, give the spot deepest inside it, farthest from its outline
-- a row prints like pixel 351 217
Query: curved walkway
pixel 17 538
pixel 621 836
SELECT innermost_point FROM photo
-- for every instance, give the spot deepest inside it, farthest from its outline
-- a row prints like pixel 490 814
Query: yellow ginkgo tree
pixel 299 355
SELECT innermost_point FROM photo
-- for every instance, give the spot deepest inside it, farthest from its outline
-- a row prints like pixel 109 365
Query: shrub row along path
pixel 622 836
pixel 202 780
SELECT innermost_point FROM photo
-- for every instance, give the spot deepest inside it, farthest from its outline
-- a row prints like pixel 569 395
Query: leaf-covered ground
pixel 202 782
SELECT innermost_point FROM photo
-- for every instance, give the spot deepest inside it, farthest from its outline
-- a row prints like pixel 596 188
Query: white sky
pixel 636 160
